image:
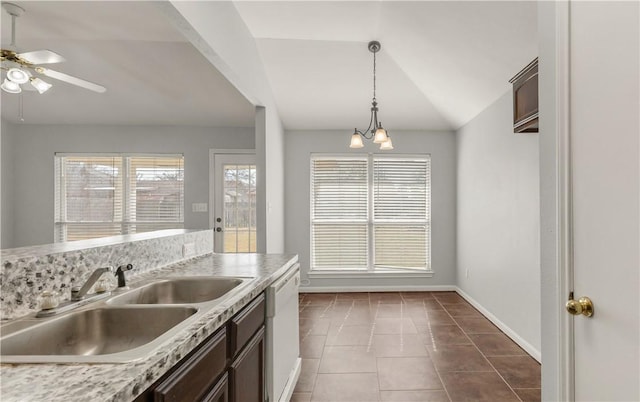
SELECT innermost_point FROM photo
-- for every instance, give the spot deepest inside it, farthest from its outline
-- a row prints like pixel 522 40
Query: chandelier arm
pixel 368 134
pixel 372 122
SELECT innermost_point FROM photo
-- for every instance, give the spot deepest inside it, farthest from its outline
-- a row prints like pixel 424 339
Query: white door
pixel 605 131
pixel 234 216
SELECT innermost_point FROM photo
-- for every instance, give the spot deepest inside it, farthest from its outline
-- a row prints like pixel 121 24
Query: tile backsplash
pixel 28 271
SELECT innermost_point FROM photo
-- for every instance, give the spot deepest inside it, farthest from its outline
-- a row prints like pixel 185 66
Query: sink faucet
pixel 122 283
pixel 78 293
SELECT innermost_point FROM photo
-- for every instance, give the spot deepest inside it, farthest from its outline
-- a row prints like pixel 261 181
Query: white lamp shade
pixel 356 141
pixel 11 87
pixel 387 145
pixel 18 76
pixel 380 135
pixel 41 86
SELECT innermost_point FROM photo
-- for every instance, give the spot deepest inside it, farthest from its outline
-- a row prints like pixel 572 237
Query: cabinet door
pixel 196 375
pixel 220 391
pixel 247 372
pixel 245 324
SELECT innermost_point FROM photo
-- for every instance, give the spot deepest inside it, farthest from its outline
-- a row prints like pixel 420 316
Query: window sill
pixel 389 273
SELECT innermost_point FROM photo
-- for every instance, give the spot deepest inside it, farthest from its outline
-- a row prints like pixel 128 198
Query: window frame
pixel 123 190
pixel 371 269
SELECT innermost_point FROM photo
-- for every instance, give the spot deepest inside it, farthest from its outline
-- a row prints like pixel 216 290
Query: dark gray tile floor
pixel 413 346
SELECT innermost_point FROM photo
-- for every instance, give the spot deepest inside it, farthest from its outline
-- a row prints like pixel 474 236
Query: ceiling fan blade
pixel 41 57
pixel 71 80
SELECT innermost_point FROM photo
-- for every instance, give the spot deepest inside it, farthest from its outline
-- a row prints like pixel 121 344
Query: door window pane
pixel 239 208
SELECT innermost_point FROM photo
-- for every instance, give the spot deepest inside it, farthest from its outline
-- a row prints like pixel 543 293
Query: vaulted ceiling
pixel 441 63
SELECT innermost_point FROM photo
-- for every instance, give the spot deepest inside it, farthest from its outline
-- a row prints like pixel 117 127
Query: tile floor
pixel 413 346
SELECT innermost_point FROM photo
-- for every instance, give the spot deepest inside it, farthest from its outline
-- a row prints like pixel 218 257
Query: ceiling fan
pixel 25 68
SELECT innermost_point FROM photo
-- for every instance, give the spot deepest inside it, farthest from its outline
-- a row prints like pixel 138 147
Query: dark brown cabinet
pixel 194 377
pixel 525 99
pixel 247 372
pixel 227 367
pixel 220 392
pixel 246 323
pixel 246 349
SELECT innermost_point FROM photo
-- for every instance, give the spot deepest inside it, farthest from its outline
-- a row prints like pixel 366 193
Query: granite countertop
pixel 125 381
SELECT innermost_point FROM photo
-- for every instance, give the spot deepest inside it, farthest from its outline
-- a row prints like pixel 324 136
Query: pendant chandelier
pixel 375 129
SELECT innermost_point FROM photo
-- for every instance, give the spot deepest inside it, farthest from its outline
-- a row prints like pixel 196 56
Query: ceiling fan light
pixel 10 87
pixel 40 85
pixel 380 135
pixel 356 141
pixel 17 75
pixel 387 145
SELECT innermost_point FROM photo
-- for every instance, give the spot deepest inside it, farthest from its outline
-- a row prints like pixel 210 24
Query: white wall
pixel 498 220
pixel 218 31
pixel 33 148
pixel 441 145
pixel 274 182
pixel 6 182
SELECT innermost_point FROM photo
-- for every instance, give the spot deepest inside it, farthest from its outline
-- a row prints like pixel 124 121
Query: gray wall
pixel 498 219
pixel 6 184
pixel 33 148
pixel 217 29
pixel 441 145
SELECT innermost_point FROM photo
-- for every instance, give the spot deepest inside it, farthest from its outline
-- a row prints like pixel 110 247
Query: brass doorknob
pixel 583 306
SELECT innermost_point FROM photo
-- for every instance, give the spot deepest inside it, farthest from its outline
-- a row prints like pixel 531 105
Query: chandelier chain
pixel 374 76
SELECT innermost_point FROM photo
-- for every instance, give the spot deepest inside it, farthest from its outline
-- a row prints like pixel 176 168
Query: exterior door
pixel 605 130
pixel 234 203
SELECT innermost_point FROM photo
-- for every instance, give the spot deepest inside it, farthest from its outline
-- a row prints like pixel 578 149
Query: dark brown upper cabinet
pixel 525 99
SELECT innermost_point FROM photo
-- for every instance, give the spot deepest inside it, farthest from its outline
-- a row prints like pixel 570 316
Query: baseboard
pixel 503 327
pixel 353 289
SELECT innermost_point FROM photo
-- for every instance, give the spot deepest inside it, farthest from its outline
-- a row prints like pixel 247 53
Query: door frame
pixel 558 358
pixel 566 348
pixel 212 177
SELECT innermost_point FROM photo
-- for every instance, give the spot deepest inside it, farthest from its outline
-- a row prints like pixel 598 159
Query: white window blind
pixel 340 190
pixel 107 195
pixel 401 204
pixel 370 213
pixel 339 213
pixel 156 193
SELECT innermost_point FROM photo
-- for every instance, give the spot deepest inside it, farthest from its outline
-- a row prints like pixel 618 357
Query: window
pixel 108 195
pixel 370 213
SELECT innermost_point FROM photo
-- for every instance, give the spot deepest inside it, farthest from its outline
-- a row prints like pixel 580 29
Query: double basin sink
pixel 124 327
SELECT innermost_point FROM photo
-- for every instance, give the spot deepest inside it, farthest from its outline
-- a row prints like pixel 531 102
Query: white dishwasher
pixel 283 343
